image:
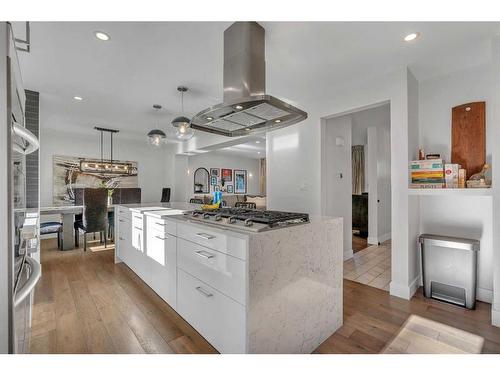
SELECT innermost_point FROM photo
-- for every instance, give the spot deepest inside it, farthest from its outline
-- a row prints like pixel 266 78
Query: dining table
pixel 67 214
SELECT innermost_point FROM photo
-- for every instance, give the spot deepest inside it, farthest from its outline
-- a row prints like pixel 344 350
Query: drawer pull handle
pixel 205 236
pixel 121 221
pixel 122 239
pixel 161 238
pixel 138 217
pixel 162 224
pixel 204 292
pixel 204 254
pixel 138 228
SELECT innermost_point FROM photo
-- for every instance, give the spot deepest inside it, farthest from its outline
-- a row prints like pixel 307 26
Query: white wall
pixel 384 182
pixel 337 162
pixel 216 159
pixel 377 167
pixel 294 162
pixel 495 133
pixel 155 167
pixel 470 217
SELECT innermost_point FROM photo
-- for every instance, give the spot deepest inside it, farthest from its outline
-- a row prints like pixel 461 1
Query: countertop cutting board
pixel 468 136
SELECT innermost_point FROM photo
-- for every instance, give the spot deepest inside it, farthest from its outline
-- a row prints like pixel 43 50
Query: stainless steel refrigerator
pixel 19 225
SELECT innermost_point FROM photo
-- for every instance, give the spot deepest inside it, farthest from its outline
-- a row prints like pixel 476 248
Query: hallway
pixel 371 266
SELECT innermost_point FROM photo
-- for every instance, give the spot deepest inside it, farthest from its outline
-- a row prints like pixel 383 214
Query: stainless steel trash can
pixel 449 267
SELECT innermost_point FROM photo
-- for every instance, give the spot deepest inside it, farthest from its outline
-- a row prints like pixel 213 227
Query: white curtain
pixel 358 169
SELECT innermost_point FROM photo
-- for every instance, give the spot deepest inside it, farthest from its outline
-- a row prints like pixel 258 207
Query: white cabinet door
pixel 137 237
pixel 162 254
pixel 123 248
pixel 218 318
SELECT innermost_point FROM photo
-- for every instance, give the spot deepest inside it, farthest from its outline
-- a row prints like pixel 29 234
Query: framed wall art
pixel 214 172
pixel 230 189
pixel 227 174
pixel 240 181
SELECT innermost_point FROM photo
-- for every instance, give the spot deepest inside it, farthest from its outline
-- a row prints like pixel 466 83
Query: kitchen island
pixel 277 290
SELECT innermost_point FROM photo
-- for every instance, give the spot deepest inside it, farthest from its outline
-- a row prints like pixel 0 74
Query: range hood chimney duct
pixel 246 108
pixel 244 61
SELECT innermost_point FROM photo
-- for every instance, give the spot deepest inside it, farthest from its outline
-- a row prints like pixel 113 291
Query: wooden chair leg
pixel 59 246
pixel 100 236
pixel 104 240
pixel 77 237
pixel 84 241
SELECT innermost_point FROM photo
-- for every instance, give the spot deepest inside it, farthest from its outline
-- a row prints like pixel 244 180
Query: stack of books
pixel 427 174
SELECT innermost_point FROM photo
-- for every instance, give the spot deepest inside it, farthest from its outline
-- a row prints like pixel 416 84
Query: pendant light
pixel 182 124
pixel 156 136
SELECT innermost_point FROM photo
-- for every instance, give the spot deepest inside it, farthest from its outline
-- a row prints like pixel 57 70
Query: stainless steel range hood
pixel 246 108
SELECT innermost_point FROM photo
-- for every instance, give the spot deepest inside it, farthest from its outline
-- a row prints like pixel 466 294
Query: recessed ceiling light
pixel 258 152
pixel 79 98
pixel 277 121
pixel 411 37
pixel 238 106
pixel 210 118
pixel 257 141
pixel 101 36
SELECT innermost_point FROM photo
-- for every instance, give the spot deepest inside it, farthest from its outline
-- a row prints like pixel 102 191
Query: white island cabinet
pixel 277 291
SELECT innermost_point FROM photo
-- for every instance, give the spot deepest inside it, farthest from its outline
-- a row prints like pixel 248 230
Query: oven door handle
pixel 32 143
pixel 27 288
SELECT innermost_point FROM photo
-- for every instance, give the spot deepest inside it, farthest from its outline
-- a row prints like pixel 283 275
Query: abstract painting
pixel 68 175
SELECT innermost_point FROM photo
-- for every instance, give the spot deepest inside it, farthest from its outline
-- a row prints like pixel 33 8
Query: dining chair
pixel 165 195
pixel 95 215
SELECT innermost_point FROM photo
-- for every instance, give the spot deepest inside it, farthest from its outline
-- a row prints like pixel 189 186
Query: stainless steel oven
pixel 24 270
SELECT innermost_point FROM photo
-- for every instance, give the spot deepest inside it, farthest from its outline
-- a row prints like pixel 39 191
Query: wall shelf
pixel 450 192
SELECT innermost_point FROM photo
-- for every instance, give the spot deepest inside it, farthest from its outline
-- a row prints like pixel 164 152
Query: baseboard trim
pixel 484 295
pixel 379 239
pixel 404 291
pixel 384 237
pixel 495 317
pixel 348 254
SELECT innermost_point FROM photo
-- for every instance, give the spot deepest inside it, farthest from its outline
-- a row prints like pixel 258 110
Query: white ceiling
pixel 143 63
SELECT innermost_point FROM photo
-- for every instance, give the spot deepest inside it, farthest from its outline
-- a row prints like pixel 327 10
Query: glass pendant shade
pixel 156 137
pixel 183 131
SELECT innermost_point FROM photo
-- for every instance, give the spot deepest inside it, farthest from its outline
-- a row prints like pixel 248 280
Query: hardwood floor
pixel 372 318
pixel 84 303
pixel 358 243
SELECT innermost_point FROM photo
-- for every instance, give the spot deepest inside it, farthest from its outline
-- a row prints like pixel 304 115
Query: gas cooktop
pixel 249 219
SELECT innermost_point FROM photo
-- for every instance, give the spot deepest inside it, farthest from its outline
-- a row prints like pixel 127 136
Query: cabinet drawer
pixel 215 239
pixel 161 225
pixel 216 317
pixel 222 272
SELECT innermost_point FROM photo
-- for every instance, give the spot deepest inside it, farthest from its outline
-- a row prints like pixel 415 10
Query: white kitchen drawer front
pixel 123 240
pixel 215 239
pixel 137 237
pixel 161 225
pixel 216 317
pixel 221 271
pixel 161 250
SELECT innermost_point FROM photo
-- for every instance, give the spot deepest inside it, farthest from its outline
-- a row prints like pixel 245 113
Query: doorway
pixel 356 185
